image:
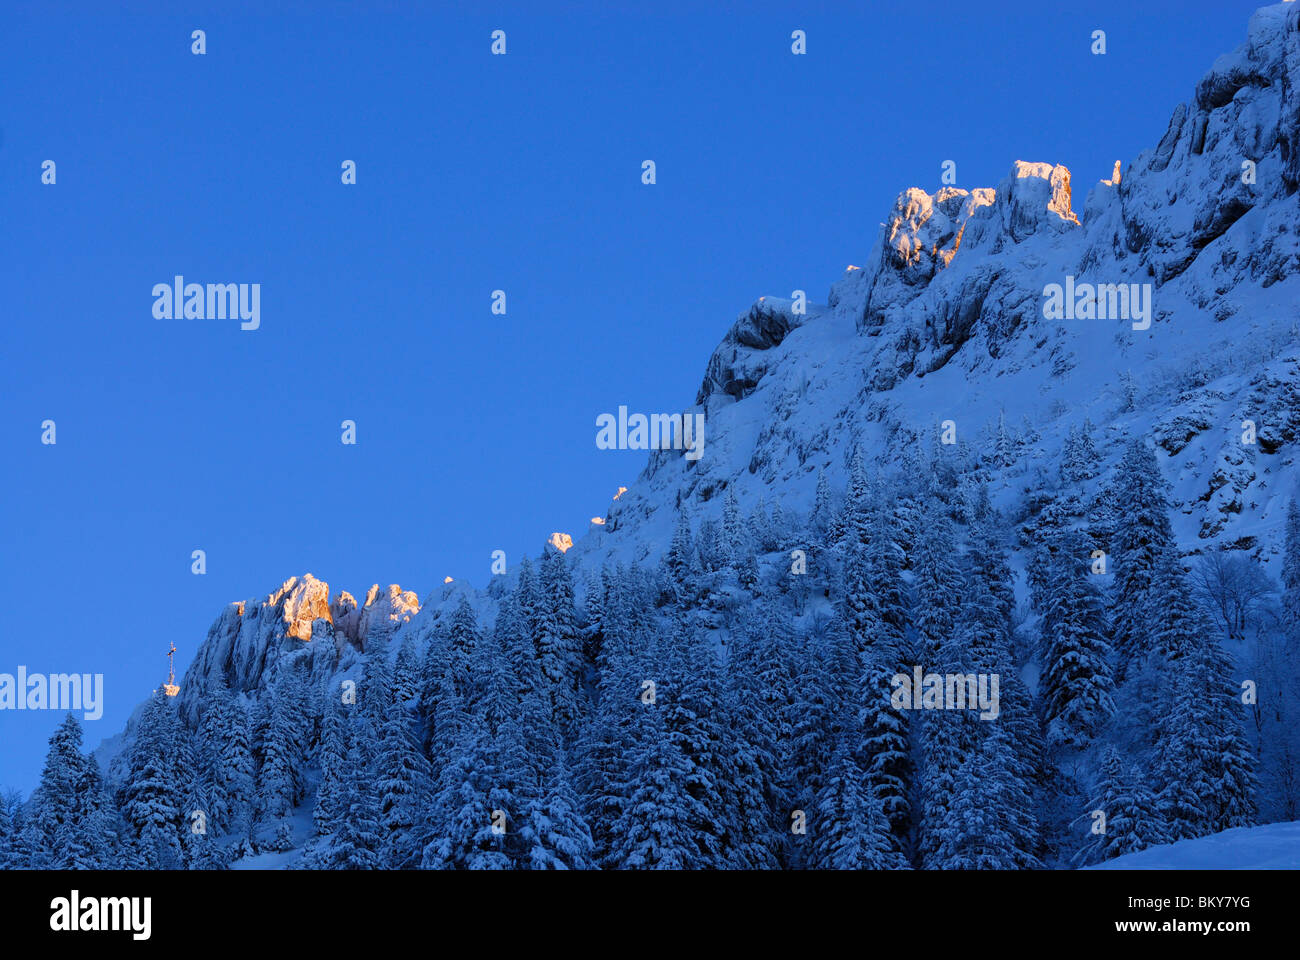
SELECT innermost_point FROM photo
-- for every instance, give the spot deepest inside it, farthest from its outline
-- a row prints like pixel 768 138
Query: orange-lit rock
pixel 300 602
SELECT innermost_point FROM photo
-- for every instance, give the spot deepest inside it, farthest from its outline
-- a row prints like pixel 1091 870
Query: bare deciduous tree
pixel 1233 590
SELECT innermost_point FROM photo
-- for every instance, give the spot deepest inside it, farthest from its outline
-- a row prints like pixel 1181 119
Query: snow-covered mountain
pixel 946 322
pixel 948 331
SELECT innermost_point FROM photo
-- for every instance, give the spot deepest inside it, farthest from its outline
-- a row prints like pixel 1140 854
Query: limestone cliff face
pixel 249 636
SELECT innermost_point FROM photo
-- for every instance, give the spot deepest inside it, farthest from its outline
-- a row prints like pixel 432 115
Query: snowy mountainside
pixel 945 322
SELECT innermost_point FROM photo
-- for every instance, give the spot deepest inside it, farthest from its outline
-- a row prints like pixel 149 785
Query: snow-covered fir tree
pixel 1075 684
pixel 152 798
pixel 1129 819
pixel 850 830
pixel 1143 540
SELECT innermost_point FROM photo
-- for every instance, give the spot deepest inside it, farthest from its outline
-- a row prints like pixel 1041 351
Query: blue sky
pixel 475 172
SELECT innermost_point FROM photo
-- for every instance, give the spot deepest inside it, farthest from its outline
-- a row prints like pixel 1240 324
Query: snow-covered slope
pixel 946 322
pixel 1274 846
